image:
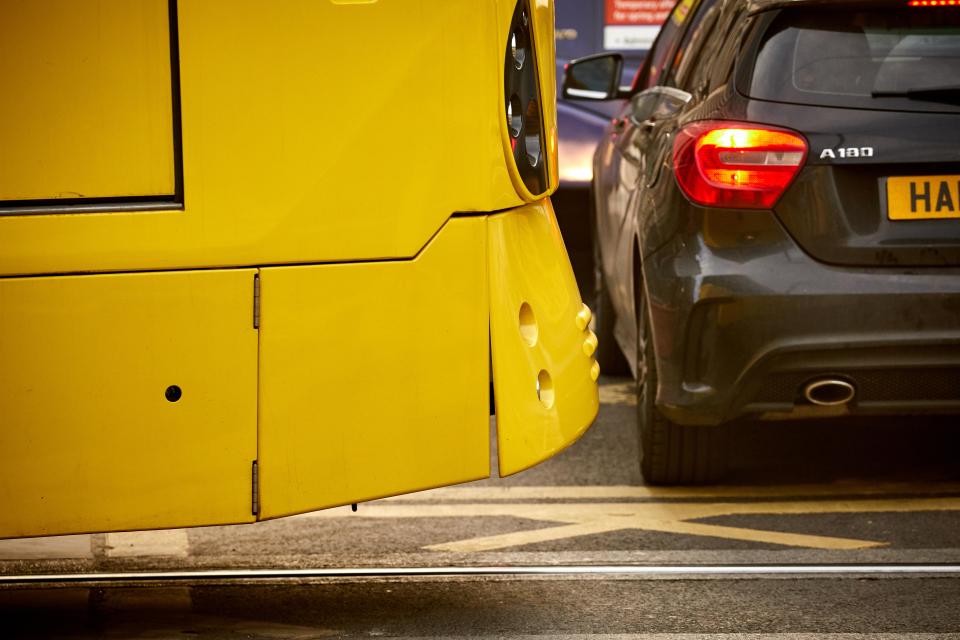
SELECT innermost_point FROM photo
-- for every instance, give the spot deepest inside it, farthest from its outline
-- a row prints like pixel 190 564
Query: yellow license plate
pixel 923 197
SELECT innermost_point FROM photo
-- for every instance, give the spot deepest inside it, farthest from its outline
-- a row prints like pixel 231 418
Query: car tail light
pixel 934 3
pixel 736 165
pixel 521 90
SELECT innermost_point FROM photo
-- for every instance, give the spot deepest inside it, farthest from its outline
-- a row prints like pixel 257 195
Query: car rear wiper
pixel 949 94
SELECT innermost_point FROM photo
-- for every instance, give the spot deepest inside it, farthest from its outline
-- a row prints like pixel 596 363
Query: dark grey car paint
pixel 747 305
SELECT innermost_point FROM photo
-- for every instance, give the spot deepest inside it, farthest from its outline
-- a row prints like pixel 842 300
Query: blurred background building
pixel 584 27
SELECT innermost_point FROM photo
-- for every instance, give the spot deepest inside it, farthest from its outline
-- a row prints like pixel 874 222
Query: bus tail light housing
pixel 521 92
pixel 736 165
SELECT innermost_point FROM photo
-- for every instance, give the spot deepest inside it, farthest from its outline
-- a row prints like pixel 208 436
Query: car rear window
pixel 904 58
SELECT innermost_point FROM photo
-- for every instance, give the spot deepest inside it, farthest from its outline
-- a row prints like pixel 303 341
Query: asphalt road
pixel 838 491
pixel 492 608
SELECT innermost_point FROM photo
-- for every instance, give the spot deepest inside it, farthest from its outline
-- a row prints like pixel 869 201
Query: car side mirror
pixel 657 103
pixel 595 77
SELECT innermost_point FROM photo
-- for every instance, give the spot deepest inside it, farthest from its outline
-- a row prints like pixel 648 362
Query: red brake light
pixel 934 3
pixel 736 165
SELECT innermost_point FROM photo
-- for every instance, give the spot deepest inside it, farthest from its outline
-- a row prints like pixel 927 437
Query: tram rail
pixel 651 571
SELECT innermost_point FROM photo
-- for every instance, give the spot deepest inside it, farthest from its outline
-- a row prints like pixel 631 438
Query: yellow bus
pixel 261 258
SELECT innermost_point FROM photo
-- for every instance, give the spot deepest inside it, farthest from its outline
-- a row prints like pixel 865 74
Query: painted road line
pixel 620 393
pixel 57 547
pixel 227 575
pixel 569 520
pixel 169 542
pixel 503 541
pixel 627 492
pixel 707 636
pixel 518 538
pixel 575 519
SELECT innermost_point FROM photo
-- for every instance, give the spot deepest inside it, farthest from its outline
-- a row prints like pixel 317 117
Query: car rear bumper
pixel 743 322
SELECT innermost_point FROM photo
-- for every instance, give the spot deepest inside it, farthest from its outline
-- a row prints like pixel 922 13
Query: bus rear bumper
pixel 298 387
pixel 544 372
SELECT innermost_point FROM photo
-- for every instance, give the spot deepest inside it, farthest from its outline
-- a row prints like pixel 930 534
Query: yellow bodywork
pixel 327 287
pixel 89 441
pixel 312 132
pixel 91 92
pixel 374 376
pixel 543 367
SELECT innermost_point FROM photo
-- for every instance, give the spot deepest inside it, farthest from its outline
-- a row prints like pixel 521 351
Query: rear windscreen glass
pixel 905 58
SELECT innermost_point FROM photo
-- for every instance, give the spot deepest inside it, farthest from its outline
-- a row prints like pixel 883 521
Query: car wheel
pixel 671 453
pixel 609 357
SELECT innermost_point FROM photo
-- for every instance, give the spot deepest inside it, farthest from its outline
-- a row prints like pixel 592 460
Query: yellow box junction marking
pixel 845 489
pixel 131 544
pixel 587 512
pixel 573 519
pixel 619 393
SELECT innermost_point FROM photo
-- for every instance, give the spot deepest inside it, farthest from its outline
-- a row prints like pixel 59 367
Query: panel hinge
pixel 256 301
pixel 255 501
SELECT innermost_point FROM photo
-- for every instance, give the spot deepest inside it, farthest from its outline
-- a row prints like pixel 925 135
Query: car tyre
pixel 671 453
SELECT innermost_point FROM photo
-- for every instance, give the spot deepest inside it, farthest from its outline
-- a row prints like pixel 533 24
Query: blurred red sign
pixel 637 12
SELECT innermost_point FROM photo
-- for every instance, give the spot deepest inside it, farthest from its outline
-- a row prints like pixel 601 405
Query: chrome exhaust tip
pixel 829 392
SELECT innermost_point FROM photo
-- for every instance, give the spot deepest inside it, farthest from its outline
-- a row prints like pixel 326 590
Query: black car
pixel 777 209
